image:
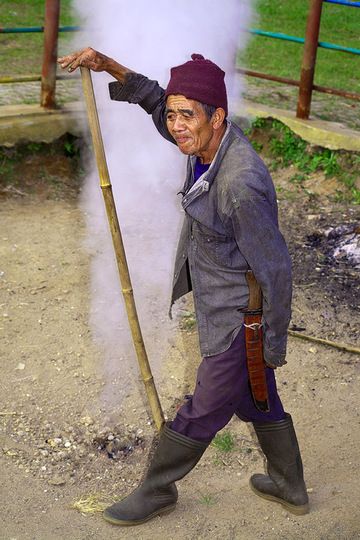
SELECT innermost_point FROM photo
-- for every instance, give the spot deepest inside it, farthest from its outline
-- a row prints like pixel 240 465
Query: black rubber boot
pixel 174 457
pixel 285 482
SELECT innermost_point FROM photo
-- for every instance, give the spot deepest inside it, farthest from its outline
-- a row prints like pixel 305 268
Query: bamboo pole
pixel 334 344
pixel 127 290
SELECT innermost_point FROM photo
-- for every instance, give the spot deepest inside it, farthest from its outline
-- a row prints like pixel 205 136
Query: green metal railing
pixel 36 29
pixel 285 37
pixel 306 83
pixel 311 44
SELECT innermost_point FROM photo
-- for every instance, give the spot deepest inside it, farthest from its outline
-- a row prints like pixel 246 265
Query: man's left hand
pixel 274 365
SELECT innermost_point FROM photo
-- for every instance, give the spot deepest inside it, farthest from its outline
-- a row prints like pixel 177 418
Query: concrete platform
pixel 25 123
pixel 32 123
pixel 330 135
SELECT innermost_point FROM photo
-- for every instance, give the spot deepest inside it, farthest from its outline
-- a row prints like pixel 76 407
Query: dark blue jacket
pixel 230 226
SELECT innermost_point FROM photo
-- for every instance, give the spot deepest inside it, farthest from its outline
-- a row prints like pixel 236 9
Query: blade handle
pixel 255 295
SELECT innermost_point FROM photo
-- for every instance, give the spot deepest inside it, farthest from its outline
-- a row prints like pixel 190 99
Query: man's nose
pixel 178 124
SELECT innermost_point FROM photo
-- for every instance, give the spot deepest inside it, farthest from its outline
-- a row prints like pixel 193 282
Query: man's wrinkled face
pixel 188 123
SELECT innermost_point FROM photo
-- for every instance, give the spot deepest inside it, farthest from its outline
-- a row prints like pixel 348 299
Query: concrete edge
pixel 330 135
pixel 32 123
pixel 26 123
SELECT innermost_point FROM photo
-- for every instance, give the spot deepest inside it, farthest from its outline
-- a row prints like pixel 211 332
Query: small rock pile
pixel 344 243
pixel 61 456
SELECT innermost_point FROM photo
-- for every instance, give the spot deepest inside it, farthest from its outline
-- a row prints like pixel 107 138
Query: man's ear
pixel 218 118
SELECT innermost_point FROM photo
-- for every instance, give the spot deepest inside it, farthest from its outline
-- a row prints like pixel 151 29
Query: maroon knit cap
pixel 201 80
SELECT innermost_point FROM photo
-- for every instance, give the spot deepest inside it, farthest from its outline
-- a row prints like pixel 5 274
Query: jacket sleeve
pixel 258 237
pixel 148 94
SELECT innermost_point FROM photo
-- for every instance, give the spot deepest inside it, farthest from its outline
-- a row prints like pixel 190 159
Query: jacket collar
pixel 192 190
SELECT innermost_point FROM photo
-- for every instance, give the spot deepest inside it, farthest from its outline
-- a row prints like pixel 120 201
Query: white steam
pixel 146 171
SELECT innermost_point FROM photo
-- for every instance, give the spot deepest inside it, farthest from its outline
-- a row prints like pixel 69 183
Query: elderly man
pixel 230 227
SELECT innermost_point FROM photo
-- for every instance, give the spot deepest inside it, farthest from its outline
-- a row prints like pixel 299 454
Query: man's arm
pixel 263 246
pixel 148 94
pixel 96 61
pixel 129 86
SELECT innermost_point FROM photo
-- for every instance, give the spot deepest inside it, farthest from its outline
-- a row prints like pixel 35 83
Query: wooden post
pixel 48 73
pixel 119 250
pixel 309 59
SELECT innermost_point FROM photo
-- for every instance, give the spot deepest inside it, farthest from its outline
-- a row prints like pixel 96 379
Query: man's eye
pixel 170 117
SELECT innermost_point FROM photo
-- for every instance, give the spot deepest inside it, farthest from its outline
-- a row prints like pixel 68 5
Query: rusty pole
pixel 309 59
pixel 48 73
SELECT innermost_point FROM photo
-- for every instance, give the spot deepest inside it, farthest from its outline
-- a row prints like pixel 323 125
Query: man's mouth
pixel 182 140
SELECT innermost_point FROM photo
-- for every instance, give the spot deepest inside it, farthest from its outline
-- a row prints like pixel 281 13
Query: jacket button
pixel 184 256
pixel 175 275
pixel 192 237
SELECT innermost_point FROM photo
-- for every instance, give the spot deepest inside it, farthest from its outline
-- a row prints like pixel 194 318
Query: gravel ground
pixel 29 93
pixel 61 441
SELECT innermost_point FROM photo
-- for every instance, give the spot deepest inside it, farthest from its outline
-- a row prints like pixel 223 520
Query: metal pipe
pixel 344 3
pixel 255 31
pixel 336 92
pixel 294 39
pixel 31 78
pixel 48 73
pixel 36 29
pixel 258 75
pixel 20 79
pixel 333 47
pixel 309 59
pixel 275 35
pixel 250 73
pixel 292 82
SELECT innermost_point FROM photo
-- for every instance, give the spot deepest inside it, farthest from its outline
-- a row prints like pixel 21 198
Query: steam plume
pixel 146 171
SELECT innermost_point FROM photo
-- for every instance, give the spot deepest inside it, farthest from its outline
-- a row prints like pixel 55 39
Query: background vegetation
pixel 283 148
pixel 339 25
pixel 22 53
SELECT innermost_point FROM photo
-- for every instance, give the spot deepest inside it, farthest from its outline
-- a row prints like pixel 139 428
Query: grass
pixel 188 321
pixel 92 504
pixel 339 25
pixel 207 499
pixel 30 167
pixel 289 149
pixel 21 54
pixel 224 442
pixel 285 148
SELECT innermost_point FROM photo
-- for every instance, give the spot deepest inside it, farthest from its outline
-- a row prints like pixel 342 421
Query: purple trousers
pixel 222 390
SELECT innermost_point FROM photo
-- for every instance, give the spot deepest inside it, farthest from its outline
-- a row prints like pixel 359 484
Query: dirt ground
pixel 60 443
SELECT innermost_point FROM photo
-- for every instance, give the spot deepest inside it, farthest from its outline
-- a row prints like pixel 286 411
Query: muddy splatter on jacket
pixel 230 226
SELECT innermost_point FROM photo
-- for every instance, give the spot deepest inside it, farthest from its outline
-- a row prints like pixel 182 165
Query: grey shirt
pixel 230 227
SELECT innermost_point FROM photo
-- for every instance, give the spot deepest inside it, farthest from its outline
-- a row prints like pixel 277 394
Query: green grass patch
pixel 286 149
pixel 207 499
pixel 224 442
pixel 289 149
pixel 21 54
pixel 339 25
pixel 188 321
pixel 52 170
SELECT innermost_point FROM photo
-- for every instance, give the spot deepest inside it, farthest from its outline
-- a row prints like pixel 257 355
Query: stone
pixel 57 481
